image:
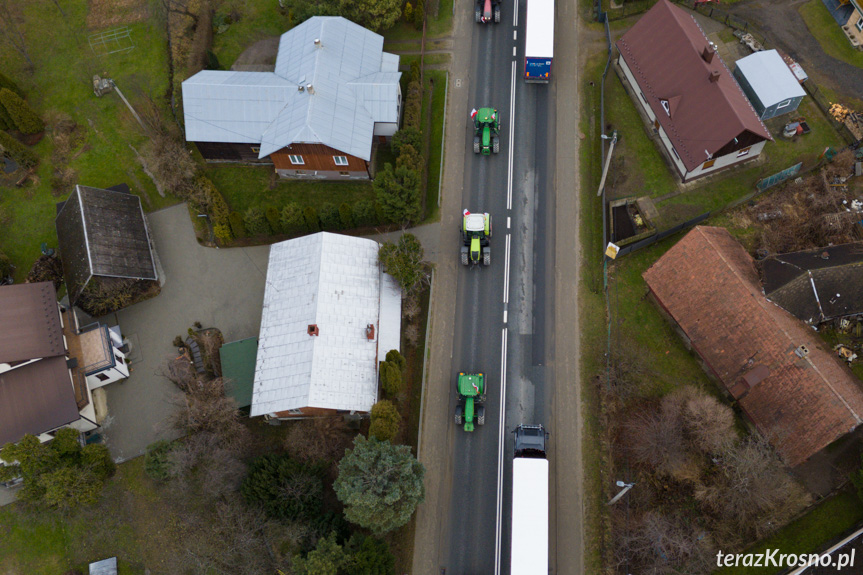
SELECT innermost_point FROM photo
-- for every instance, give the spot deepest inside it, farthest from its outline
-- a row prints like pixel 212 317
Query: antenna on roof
pixel 317 42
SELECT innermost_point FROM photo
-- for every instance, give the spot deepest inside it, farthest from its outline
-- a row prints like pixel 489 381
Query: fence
pixel 779 177
pixel 821 100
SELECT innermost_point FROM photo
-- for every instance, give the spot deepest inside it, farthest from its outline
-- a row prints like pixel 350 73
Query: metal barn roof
pixel 103 233
pixel 770 77
pixel 334 283
pixel 353 85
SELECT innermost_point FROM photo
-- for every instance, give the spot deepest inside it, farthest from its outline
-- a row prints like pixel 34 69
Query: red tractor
pixel 487 11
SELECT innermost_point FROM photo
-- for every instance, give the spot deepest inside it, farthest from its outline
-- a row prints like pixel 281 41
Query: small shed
pixel 238 369
pixel 769 84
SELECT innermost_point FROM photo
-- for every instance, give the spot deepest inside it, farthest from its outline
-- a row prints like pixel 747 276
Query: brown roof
pixel 664 52
pixel 708 284
pixel 36 398
pixel 29 322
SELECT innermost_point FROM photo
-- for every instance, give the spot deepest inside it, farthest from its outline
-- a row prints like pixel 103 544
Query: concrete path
pixel 427 234
pixel 221 288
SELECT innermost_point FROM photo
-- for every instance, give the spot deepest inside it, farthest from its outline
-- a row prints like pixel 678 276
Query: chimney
pixel 313 329
pixel 310 88
pixel 714 76
pixel 301 88
pixel 370 332
pixel 708 53
pixel 317 42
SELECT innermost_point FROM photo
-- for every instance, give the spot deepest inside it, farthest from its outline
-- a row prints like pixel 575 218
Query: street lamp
pixel 626 487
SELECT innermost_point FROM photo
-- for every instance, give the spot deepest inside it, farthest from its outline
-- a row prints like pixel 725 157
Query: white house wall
pixel 385 128
pixel 727 160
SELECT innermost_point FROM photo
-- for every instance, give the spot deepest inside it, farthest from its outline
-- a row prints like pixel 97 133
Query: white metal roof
pixel 354 84
pixel 539 39
pixel 334 282
pixel 390 321
pixel 529 542
pixel 770 77
pixel 474 222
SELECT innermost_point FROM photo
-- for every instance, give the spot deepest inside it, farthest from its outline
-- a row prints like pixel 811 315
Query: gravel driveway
pixel 781 22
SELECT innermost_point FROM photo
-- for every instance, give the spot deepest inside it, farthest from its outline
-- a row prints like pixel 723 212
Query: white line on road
pixel 506 271
pixel 515 34
pixel 499 519
pixel 511 134
pixel 515 15
pixel 507 222
pixel 504 316
pixel 513 50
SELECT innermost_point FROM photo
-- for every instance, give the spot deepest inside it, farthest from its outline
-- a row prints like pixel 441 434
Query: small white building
pixel 330 314
pixel 769 83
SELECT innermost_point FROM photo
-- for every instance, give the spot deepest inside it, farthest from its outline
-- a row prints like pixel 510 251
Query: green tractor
pixel 486 131
pixel 475 234
pixel 471 395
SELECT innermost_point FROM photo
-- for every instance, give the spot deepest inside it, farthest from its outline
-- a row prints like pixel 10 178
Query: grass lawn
pixel 61 83
pixel 435 26
pixel 821 525
pixel 248 186
pixel 435 139
pixel 829 34
pixel 259 19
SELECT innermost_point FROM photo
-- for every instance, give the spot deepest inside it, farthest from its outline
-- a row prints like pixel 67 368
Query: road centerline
pixel 499 519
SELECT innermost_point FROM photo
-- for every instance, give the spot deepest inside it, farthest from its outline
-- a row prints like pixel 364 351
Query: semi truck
pixel 539 41
pixel 529 541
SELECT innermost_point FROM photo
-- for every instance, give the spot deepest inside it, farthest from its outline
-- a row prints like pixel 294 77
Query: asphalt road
pixel 515 346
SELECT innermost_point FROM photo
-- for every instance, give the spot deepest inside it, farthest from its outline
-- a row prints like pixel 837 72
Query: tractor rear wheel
pixel 477 14
pixel 496 144
pixel 476 144
pixel 459 415
pixel 497 14
pixel 486 257
pixel 480 415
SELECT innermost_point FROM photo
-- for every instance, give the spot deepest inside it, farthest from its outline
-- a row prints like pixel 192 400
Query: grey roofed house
pixel 769 84
pixel 817 285
pixel 329 315
pixel 332 85
pixel 36 391
pixel 103 233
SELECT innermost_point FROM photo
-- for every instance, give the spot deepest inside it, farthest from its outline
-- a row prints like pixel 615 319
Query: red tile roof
pixel 708 284
pixel 664 52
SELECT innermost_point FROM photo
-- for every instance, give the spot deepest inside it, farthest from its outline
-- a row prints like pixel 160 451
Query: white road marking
pixel 499 519
pixel 515 15
pixel 513 50
pixel 511 135
pixel 507 222
pixel 504 316
pixel 515 34
pixel 506 271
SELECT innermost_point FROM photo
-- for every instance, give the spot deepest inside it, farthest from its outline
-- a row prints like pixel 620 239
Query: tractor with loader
pixel 486 131
pixel 487 11
pixel 471 396
pixel 475 234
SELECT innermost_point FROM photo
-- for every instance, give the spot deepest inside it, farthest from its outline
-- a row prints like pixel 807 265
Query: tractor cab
pixel 471 393
pixel 486 132
pixel 476 231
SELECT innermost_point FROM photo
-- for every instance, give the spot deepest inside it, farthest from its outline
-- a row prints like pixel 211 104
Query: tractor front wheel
pixel 459 415
pixel 480 415
pixel 496 144
pixel 476 144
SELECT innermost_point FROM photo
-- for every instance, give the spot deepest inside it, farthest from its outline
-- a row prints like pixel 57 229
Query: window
pixel 676 155
pixel 346 174
pixel 102 377
pixel 296 160
pixel 666 107
pixel 744 152
pixel 642 97
pixel 708 164
pixel 340 160
pixel 256 149
pixel 119 359
pixel 784 104
pixel 859 24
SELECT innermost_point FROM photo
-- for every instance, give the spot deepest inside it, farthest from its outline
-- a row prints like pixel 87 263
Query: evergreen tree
pixel 385 420
pixel 404 261
pixel 285 488
pixel 16 151
pixel 25 119
pixel 398 194
pixel 9 84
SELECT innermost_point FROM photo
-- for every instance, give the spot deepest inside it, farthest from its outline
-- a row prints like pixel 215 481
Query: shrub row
pixel 16 151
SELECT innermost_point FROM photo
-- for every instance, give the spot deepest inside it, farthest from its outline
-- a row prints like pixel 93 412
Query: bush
pixel 398 194
pixel 6 122
pixel 415 71
pixel 406 136
pixel 238 228
pixel 6 267
pixel 256 222
pixel 330 219
pixel 46 269
pixel 395 357
pixel 365 214
pixel 285 488
pixel 385 420
pixel 9 84
pixel 311 220
pixel 15 151
pixel 293 221
pixel 413 105
pixel 411 159
pixel 408 12
pixel 274 219
pixel 391 378
pixel 346 216
pixel 217 208
pixel 26 120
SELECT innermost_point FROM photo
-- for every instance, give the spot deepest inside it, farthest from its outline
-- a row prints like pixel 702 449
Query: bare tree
pixel 654 437
pixel 204 408
pixel 10 29
pixel 666 544
pixel 709 424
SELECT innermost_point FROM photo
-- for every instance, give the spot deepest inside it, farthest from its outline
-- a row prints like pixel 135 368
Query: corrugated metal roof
pixel 354 84
pixel 332 281
pixel 390 326
pixel 770 77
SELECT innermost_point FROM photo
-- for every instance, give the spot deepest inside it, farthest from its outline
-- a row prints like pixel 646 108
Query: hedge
pixel 16 151
pixel 9 84
pixel 312 222
pixel 346 215
pixel 238 228
pixel 256 222
pixel 274 219
pixel 293 221
pixel 329 216
pixel 25 119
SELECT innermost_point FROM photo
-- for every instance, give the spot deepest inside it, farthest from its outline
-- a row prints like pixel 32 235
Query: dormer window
pixel 666 107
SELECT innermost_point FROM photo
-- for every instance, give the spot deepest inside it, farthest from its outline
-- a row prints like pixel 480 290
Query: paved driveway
pixel 221 288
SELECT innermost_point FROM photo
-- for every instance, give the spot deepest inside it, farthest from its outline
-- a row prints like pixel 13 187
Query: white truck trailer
pixel 529 541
